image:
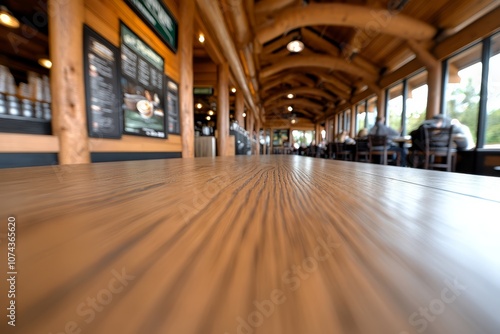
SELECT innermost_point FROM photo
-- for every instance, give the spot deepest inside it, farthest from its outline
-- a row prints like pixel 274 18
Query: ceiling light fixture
pixel 201 38
pixel 295 46
pixel 290 96
pixel 7 19
pixel 208 118
pixel 290 108
pixel 244 114
pixel 199 105
pixel 293 121
pixel 45 62
pixel 233 90
pixel 211 112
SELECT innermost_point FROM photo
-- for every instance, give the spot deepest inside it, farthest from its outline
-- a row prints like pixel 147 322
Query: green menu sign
pixel 159 18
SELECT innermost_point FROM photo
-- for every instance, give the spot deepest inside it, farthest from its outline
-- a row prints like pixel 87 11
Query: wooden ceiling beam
pixel 301 91
pixel 371 21
pixel 313 107
pixel 319 61
pixel 266 6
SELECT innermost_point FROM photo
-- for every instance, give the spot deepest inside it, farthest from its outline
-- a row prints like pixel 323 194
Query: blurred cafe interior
pixel 250 166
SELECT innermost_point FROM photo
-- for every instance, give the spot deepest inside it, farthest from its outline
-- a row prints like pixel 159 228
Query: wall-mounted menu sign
pixel 159 18
pixel 142 87
pixel 173 107
pixel 101 86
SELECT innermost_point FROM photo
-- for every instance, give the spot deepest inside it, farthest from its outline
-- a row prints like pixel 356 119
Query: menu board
pixel 101 86
pixel 142 87
pixel 173 107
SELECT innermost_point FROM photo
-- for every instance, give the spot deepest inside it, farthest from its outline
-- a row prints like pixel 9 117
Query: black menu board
pixel 142 87
pixel 172 98
pixel 101 86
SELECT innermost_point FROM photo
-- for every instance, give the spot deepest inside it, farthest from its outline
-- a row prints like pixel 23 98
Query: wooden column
pixel 434 89
pixel 335 127
pixel 434 76
pixel 317 133
pixel 240 108
pixel 222 109
pixel 67 84
pixel 186 28
pixel 352 131
pixel 380 103
pixel 251 122
pixel 257 136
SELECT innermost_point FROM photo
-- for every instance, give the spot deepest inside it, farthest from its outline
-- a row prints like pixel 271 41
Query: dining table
pixel 248 244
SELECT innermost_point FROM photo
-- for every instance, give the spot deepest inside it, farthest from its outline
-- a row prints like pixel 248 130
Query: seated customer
pixel 380 129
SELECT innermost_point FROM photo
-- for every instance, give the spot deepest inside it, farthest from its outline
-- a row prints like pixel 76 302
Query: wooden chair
pixel 378 146
pixel 439 150
pixel 342 153
pixel 362 150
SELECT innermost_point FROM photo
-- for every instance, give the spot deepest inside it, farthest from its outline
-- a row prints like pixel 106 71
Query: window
pixel 360 108
pixel 416 103
pixel 303 138
pixel 372 112
pixel 492 135
pixel 395 107
pixel 463 88
pixel 347 120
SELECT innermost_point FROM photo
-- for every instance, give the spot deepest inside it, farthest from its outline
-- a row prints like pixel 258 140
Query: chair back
pixel 436 138
pixel 375 141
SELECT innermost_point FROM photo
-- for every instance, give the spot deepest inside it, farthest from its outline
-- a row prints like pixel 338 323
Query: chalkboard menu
pixel 173 107
pixel 101 86
pixel 142 87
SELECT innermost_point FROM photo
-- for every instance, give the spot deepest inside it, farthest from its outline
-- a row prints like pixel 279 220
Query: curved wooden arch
pixel 273 82
pixel 313 107
pixel 301 91
pixel 369 20
pixel 319 61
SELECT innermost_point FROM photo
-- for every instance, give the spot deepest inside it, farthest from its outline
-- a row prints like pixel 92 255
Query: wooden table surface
pixel 270 244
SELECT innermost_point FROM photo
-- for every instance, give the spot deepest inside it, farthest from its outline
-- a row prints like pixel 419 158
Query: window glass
pixel 347 120
pixel 492 135
pixel 372 111
pixel 416 103
pixel 395 106
pixel 303 137
pixel 463 89
pixel 361 116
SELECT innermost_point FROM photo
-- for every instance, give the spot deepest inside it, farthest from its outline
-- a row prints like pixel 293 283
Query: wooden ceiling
pixel 349 45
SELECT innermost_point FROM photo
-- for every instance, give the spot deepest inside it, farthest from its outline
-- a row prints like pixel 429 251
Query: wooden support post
pixel 335 127
pixel 186 32
pixel 434 77
pixel 251 122
pixel 380 103
pixel 353 133
pixel 67 85
pixel 434 89
pixel 240 108
pixel 317 133
pixel 257 136
pixel 222 109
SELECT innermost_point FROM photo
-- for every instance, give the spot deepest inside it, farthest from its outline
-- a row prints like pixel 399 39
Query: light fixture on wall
pixel 7 19
pixel 199 105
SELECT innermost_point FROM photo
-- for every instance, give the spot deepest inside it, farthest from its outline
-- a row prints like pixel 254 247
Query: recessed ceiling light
pixel 290 96
pixel 211 112
pixel 244 114
pixel 290 108
pixel 293 121
pixel 201 38
pixel 199 105
pixel 233 90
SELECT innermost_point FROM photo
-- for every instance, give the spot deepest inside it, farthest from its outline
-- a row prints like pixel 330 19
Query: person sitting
pixel 380 129
pixel 363 133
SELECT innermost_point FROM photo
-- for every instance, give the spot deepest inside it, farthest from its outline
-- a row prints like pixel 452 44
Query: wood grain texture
pixel 284 244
